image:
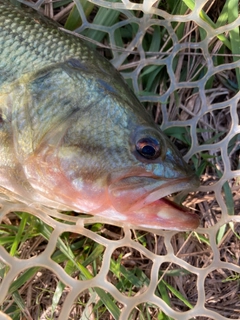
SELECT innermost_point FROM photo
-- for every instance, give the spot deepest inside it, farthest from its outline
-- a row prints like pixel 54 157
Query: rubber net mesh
pixel 134 273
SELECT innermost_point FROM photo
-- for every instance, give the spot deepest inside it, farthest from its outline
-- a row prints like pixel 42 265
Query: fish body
pixel 74 136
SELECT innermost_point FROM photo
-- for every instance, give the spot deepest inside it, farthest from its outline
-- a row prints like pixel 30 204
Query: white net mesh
pixel 133 273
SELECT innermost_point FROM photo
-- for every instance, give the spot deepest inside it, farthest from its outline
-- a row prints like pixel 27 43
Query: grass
pixel 39 293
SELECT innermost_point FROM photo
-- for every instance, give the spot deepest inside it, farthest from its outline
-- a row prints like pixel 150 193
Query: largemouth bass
pixel 74 136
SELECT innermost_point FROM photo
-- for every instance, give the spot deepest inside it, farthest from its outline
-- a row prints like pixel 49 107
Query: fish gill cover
pixel 181 59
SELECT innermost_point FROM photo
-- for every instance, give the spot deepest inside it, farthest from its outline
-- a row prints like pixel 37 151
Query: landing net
pixel 189 79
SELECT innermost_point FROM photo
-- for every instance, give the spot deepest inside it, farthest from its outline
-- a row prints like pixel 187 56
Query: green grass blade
pixel 95 254
pixel 165 297
pixel 164 294
pixel 178 295
pixel 23 279
pixel 57 295
pixel 19 301
pixel 230 207
pixel 58 4
pixel 223 17
pixel 19 235
pixel 74 19
pixel 108 302
pixel 234 34
pixel 120 271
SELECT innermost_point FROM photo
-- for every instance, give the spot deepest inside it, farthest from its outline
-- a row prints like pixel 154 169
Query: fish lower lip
pixel 164 214
pixel 159 215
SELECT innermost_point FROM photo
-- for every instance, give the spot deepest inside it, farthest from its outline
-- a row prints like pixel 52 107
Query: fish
pixel 73 135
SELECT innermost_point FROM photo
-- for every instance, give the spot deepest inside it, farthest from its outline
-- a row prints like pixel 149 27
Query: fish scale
pixel 31 43
pixel 74 136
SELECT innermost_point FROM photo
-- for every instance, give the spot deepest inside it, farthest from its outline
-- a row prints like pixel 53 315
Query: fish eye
pixel 148 148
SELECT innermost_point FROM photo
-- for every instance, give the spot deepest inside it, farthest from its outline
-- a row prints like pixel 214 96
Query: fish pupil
pixel 148 151
pixel 148 148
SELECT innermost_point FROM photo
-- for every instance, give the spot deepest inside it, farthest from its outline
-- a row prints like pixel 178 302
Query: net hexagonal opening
pixel 209 208
pixel 189 64
pixel 146 310
pixel 214 126
pixel 177 286
pixel 153 79
pixel 229 244
pixel 222 292
pixel 181 137
pixel 80 257
pixel 184 104
pixel 153 242
pixel 221 86
pixel 24 235
pixel 129 271
pixel 209 165
pixel 157 40
pixel 195 249
pixel 124 32
pixel 95 303
pixel 37 293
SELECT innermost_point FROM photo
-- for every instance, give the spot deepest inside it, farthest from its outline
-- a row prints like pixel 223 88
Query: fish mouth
pixel 164 214
pixel 155 210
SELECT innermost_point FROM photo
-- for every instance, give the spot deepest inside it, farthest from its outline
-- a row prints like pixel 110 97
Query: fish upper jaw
pixel 136 192
pixel 182 184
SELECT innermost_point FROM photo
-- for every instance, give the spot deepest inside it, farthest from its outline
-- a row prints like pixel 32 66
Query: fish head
pixel 125 165
pixel 105 155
